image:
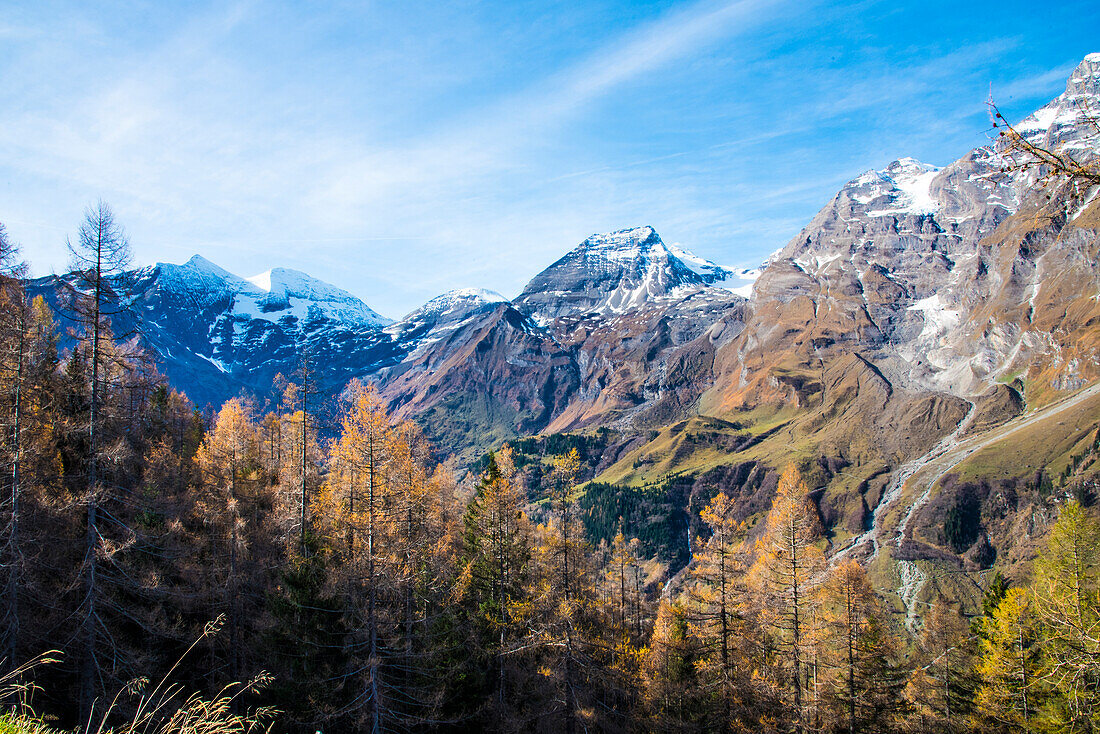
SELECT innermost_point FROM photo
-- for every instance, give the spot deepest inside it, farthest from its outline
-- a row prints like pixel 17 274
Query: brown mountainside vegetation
pixel 287 574
pixel 864 499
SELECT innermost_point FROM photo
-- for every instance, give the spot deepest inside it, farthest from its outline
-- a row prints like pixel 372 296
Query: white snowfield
pixel 938 319
pixel 903 187
pixel 273 295
pixel 642 250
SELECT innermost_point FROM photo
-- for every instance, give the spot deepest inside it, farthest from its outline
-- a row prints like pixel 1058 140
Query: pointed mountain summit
pixel 609 274
pixel 922 265
pixel 447 311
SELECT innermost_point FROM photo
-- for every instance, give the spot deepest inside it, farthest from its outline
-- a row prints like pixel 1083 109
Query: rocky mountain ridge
pixel 219 334
pixel 898 265
pixel 906 262
pixel 921 308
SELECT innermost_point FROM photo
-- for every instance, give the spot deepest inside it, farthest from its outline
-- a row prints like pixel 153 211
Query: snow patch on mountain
pixel 718 276
pixel 702 267
pixel 442 314
pixel 938 318
pixel 748 281
pixel 220 365
pixel 902 188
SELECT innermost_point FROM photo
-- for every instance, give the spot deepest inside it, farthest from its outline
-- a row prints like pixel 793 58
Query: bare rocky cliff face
pixel 622 330
pixel 946 279
pixel 917 282
pixel 477 372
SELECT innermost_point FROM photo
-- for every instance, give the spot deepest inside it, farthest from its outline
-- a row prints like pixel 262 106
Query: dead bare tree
pixel 100 258
pixel 13 303
pixel 9 254
pixel 1066 174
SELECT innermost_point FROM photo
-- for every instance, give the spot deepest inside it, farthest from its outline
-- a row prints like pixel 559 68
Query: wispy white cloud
pixel 164 135
pixel 490 140
pixel 676 35
pixel 1042 84
pixel 215 132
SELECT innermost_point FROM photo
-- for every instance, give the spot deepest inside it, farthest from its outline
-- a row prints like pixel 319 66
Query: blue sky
pixel 401 149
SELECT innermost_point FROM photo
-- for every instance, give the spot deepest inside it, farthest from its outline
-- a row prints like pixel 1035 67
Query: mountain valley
pixel 922 310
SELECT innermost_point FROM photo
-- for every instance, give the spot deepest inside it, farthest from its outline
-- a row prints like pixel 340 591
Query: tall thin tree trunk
pixel 305 415
pixel 947 686
pixel 500 531
pixel 372 625
pixel 622 593
pixel 570 703
pixel 851 657
pixel 234 587
pixel 14 572
pixel 797 632
pixel 1024 680
pixel 724 629
pixel 91 538
pixel 409 582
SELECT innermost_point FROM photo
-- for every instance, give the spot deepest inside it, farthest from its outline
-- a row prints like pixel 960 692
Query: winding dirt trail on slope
pixel 897 483
pixel 929 472
pixel 934 470
pixel 923 473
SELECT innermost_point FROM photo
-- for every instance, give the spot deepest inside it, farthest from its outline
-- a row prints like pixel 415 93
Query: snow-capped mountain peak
pixel 292 291
pixel 447 310
pixel 903 187
pixel 1068 120
pixel 201 264
pixel 197 279
pixel 270 295
pixel 464 296
pixel 618 272
pixel 218 333
pixel 279 306
pixel 623 246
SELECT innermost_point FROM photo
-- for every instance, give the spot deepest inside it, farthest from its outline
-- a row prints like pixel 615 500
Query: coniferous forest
pixel 305 564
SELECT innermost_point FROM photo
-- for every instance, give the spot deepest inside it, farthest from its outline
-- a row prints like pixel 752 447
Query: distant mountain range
pixel 918 305
pixel 218 334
